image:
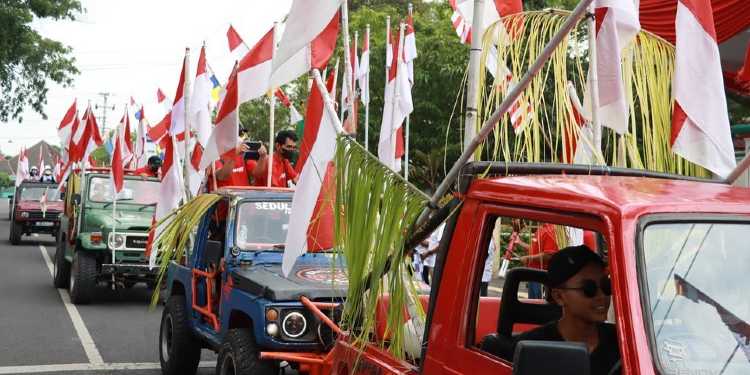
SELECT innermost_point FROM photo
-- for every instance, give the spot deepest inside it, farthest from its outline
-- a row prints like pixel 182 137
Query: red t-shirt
pixel 146 171
pixel 283 172
pixel 544 241
pixel 240 175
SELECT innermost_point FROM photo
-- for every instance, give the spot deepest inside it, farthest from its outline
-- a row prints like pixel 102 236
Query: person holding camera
pixel 234 169
pixel 285 149
pixel 151 169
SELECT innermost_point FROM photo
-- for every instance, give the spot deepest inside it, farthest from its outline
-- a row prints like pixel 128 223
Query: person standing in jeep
pixel 151 169
pixel 285 148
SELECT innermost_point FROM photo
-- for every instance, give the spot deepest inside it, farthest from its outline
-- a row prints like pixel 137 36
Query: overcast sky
pixel 132 48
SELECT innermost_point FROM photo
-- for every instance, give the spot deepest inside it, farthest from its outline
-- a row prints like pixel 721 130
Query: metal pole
pixel 367 86
pixel 186 96
pixel 388 50
pixel 348 65
pixel 594 80
pixel 738 170
pixel 408 122
pixel 514 93
pixel 353 95
pixel 272 120
pixel 327 101
pixel 472 89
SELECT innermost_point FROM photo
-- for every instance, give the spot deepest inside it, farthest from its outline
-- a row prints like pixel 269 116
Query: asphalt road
pixel 42 333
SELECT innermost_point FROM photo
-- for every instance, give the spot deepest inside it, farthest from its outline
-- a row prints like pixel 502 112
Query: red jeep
pixel 678 254
pixel 34 209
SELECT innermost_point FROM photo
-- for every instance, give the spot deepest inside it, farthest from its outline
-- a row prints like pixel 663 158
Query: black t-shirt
pixel 603 358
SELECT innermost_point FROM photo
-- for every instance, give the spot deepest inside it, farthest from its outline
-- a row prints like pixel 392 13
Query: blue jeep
pixel 228 294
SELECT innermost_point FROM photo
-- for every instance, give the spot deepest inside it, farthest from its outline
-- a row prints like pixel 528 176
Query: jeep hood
pixel 312 279
pixel 126 220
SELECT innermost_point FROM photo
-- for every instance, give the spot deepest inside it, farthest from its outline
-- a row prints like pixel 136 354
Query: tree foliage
pixel 29 61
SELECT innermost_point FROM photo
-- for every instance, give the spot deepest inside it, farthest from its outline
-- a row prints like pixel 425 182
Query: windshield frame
pixel 49 188
pixel 643 290
pixel 87 189
pixel 236 217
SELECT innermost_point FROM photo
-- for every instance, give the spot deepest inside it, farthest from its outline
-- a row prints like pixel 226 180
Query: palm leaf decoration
pixel 176 234
pixel 375 210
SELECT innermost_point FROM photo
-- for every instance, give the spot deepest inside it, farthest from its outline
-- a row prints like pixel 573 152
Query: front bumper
pixel 50 226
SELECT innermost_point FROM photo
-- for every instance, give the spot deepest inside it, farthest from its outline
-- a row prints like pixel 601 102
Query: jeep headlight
pixel 294 324
pixel 24 214
pixel 116 241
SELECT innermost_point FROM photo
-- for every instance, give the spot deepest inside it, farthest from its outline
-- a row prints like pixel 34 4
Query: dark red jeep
pixel 34 209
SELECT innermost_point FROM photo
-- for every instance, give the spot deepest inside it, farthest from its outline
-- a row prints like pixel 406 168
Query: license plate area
pixel 44 224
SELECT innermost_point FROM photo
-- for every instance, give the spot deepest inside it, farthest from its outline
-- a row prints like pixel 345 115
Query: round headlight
pixel 116 241
pixel 272 329
pixel 24 214
pixel 294 324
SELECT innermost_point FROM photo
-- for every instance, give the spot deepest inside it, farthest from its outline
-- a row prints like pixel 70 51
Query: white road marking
pixel 92 353
pixel 88 367
pixel 495 289
pixel 35 234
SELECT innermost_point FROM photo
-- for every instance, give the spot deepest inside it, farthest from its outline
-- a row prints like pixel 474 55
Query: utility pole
pixel 104 107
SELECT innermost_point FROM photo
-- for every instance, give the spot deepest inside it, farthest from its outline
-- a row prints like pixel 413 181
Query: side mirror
pixel 77 198
pixel 551 357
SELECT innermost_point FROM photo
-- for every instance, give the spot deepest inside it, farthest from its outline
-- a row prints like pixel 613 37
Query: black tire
pixel 179 350
pixel 82 278
pixel 240 356
pixel 61 276
pixel 15 233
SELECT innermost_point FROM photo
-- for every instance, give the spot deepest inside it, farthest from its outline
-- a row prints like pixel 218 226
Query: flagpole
pixel 272 119
pixel 114 199
pixel 348 65
pixel 186 98
pixel 353 96
pixel 367 82
pixel 327 101
pixel 594 80
pixel 472 97
pixel 406 141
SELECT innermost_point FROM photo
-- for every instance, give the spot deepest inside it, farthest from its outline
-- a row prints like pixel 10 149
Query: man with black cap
pixel 578 282
pixel 151 169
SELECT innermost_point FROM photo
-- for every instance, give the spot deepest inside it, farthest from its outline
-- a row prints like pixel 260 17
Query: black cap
pixel 154 160
pixel 565 263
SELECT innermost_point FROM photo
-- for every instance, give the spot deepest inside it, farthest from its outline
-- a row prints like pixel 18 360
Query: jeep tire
pixel 15 233
pixel 82 278
pixel 239 355
pixel 61 276
pixel 179 350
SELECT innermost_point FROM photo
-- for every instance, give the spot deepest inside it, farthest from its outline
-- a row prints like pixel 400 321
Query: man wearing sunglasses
pixel 578 282
pixel 285 150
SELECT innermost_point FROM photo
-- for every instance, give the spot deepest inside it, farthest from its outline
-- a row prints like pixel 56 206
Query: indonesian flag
pixel 65 129
pixel 255 69
pixel 237 46
pixel 170 191
pixel 578 142
pixel 22 167
pixel 700 122
pixel 616 27
pixel 86 138
pixel 177 123
pixel 348 94
pixel 158 132
pixel 41 159
pixel 223 139
pixel 397 106
pixel 296 120
pixel 160 97
pixel 140 138
pixel 201 114
pixel 463 15
pixel 410 46
pixel 57 169
pixel 117 162
pixel 122 138
pixel 311 226
pixel 364 70
pixel 308 40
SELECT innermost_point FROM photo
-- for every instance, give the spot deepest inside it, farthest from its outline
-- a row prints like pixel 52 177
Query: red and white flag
pixel 294 116
pixel 364 70
pixel 224 137
pixel 463 15
pixel 200 112
pixel 410 47
pixel 162 99
pixel 122 137
pixel 171 193
pixel 349 94
pixel 140 138
pixel 177 123
pixel 237 46
pixel 308 40
pixel 86 138
pixel 578 141
pixel 117 168
pixel 616 27
pixel 65 129
pixel 311 226
pixel 700 121
pixel 255 69
pixel 22 167
pixel 397 106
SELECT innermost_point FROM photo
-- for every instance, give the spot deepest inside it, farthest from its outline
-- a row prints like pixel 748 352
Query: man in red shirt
pixel 151 169
pixel 543 246
pixel 234 170
pixel 285 146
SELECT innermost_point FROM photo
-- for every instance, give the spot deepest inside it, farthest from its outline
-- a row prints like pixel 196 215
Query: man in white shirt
pixel 428 257
pixel 487 273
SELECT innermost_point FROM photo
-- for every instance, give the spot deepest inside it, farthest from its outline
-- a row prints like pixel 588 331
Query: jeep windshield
pixel 134 191
pixel 35 193
pixel 696 286
pixel 262 225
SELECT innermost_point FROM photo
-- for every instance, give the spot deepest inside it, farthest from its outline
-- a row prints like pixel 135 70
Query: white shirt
pixel 434 242
pixel 487 273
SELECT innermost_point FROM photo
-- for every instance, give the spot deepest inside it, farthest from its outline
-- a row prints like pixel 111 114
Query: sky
pixel 131 48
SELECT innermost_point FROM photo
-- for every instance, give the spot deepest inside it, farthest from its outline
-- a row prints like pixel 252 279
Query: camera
pixel 253 147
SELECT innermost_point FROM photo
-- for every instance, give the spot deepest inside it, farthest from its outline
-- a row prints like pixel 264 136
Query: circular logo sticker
pixel 323 275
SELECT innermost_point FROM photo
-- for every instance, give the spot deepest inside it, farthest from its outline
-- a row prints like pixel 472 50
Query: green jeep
pixel 102 240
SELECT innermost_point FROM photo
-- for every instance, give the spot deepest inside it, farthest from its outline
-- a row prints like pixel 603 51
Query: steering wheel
pixel 616 369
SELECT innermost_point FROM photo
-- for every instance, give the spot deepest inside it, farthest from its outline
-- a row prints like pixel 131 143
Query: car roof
pixel 621 194
pixel 253 192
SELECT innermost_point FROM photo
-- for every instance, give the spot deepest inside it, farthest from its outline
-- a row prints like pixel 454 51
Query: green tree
pixel 5 180
pixel 29 61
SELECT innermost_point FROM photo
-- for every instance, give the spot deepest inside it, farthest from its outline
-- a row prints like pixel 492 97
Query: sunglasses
pixel 590 287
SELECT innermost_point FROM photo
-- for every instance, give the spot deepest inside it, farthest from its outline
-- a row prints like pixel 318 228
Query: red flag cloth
pixel 160 95
pixel 117 169
pixel 731 17
pixel 233 38
pixel 283 98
